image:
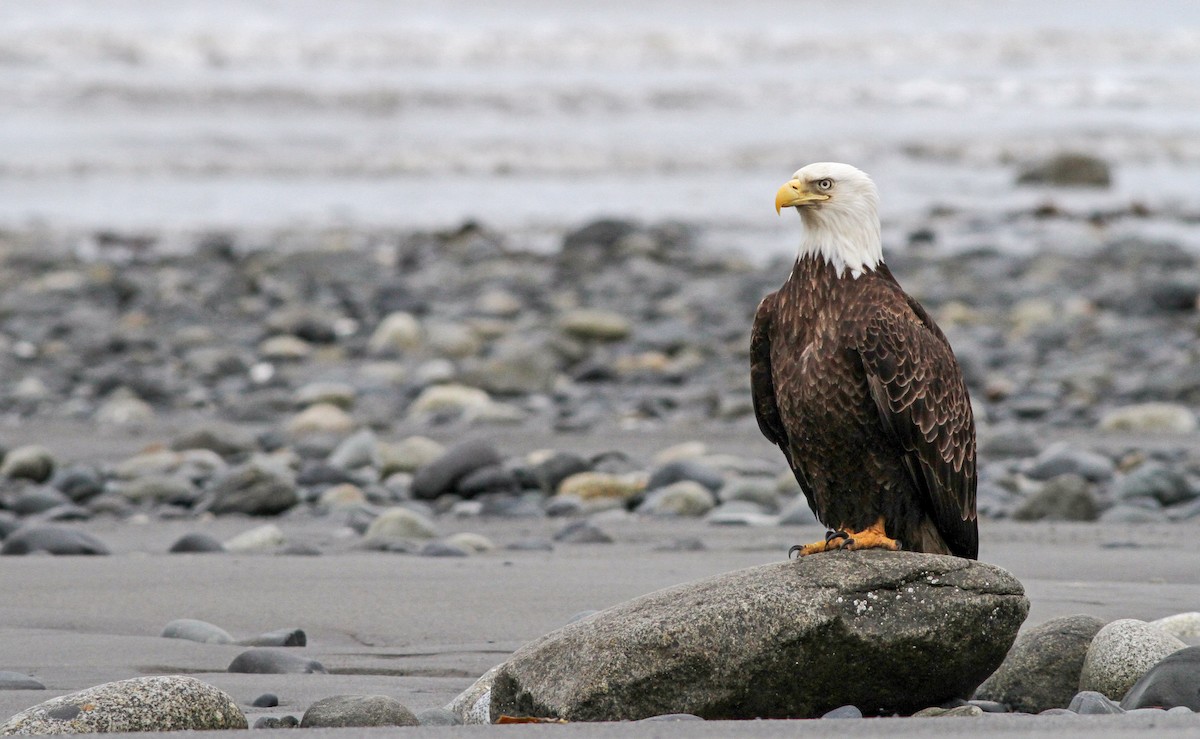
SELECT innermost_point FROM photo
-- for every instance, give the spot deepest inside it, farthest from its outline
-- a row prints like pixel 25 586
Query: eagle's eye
pixel 824 184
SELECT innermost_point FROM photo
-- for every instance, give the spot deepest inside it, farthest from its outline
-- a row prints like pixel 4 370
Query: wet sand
pixel 422 629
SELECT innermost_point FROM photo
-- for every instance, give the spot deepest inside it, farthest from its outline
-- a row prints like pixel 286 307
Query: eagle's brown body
pixel 860 389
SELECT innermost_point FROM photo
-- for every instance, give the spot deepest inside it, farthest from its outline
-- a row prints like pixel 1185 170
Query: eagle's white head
pixel 840 209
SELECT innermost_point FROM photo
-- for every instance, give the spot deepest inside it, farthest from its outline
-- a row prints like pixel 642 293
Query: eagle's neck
pixel 848 239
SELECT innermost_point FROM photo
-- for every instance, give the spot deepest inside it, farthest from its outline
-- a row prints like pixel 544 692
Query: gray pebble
pixel 31 462
pixel 1155 480
pixel 291 637
pixel 266 700
pixel 18 681
pixel 844 712
pixel 37 499
pixel 78 482
pixel 673 717
pixel 358 710
pixel 582 532
pixel 1090 702
pixel 531 545
pixel 53 540
pixel 673 472
pixel 1062 498
pixel 1062 459
pixel 196 543
pixel 198 631
pixel 442 475
pixel 256 489
pixel 271 661
pixel 277 722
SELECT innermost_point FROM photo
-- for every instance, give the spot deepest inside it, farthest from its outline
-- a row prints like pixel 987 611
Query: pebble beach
pixel 345 360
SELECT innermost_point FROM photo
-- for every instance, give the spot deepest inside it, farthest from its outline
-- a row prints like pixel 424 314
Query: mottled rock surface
pixel 1121 653
pixel 884 631
pixel 160 703
pixel 1042 669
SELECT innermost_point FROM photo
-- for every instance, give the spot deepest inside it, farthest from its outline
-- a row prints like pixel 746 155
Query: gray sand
pixel 421 629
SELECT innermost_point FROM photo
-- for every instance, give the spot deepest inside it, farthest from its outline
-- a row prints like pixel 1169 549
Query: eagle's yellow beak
pixel 795 192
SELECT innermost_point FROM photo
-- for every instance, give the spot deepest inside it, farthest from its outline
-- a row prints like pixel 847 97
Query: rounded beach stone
pixel 470 541
pixel 441 475
pixel 52 540
pixel 683 498
pixel 1182 625
pixel 1150 417
pixel 473 705
pixel 397 333
pixel 1172 682
pixel 256 489
pixel 1063 459
pixel 844 712
pixel 1062 498
pixel 322 418
pixel 400 523
pixel 582 532
pixel 1121 652
pixel 1164 484
pixel 225 439
pixel 197 631
pixel 1089 702
pixel 601 485
pixel 277 722
pixel 358 710
pixel 443 549
pixel 273 661
pixel 258 539
pixel 79 482
pixel 196 543
pixel 685 469
pixel 18 681
pixel 31 462
pixel 356 450
pixel 909 630
pixel 266 700
pixel 1043 667
pixel 289 637
pixel 594 324
pixel 160 703
pixel 37 499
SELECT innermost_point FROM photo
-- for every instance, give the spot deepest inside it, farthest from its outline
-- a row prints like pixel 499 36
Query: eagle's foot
pixel 872 537
pixel 833 540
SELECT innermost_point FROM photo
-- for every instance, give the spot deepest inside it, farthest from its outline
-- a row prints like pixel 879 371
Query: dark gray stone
pixel 358 710
pixel 990 706
pixel 674 472
pixel 582 532
pixel 18 681
pixel 277 638
pixel 225 439
pixel 196 543
pixel 531 544
pixel 885 631
pixel 271 661
pixel 550 472
pixel 1174 681
pixel 1062 459
pixel 255 489
pixel 37 499
pixel 78 482
pixel 442 475
pixel 29 462
pixel 277 722
pixel 1089 702
pixel 1158 481
pixel 160 703
pixel 52 540
pixel 1042 669
pixel 8 524
pixel 198 631
pixel 494 478
pixel 266 700
pixel 1063 498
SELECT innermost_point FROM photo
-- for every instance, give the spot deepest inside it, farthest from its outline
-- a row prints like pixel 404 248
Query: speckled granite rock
pixel 1121 653
pixel 160 703
pixel 884 631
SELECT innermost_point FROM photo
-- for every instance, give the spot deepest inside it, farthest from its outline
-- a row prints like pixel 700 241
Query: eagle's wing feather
pixel 922 401
pixel 762 390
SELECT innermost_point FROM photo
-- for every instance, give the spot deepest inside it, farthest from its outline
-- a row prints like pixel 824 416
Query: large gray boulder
pixel 883 631
pixel 1121 653
pixel 1042 669
pixel 160 703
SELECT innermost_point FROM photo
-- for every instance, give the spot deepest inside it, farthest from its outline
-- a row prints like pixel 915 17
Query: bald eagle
pixel 858 386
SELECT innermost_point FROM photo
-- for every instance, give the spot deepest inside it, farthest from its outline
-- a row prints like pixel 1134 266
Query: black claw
pixel 795 548
pixel 899 545
pixel 839 534
pixel 847 543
